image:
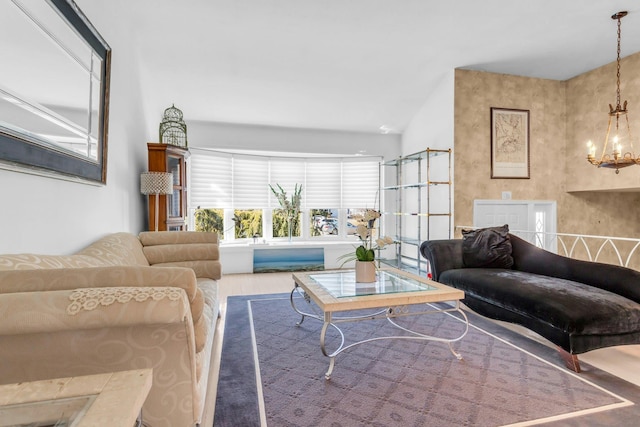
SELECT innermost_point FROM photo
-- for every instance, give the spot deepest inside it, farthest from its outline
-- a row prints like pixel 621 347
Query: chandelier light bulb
pixel 591 149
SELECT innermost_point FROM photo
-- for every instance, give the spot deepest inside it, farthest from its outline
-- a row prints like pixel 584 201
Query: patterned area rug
pixel 503 379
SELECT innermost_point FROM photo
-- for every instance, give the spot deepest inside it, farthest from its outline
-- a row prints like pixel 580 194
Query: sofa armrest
pixel 619 280
pixel 50 312
pixel 34 281
pixel 40 339
pixel 442 255
pixel 108 276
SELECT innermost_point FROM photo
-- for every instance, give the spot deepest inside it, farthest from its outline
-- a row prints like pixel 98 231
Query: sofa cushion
pixel 198 251
pixel 117 249
pixel 39 262
pixel 152 238
pixel 177 252
pixel 573 307
pixel 487 247
pixel 113 249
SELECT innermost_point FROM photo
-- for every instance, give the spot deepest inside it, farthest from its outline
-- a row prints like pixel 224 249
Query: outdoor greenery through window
pixel 231 194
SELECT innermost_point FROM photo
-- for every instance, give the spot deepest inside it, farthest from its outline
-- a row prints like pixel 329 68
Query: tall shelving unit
pixel 421 206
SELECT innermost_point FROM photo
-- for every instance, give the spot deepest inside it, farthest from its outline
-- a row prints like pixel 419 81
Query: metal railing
pixel 606 249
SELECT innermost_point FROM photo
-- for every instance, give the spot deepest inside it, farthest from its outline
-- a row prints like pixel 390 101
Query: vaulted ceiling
pixel 354 64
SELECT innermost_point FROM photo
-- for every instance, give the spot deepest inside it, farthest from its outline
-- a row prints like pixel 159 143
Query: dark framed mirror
pixel 54 91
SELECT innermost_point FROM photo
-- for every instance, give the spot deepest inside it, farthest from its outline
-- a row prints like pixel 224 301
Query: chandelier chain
pixel 618 70
pixel 622 154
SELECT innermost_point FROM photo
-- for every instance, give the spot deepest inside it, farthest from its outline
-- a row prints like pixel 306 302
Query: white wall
pixel 45 215
pixel 252 137
pixel 432 126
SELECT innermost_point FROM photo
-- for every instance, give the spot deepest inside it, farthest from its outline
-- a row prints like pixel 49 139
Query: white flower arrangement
pixel 368 246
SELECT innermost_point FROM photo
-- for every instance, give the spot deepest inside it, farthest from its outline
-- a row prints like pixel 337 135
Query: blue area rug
pixel 504 378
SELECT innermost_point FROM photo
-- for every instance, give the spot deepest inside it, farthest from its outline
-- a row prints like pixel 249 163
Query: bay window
pixel 229 193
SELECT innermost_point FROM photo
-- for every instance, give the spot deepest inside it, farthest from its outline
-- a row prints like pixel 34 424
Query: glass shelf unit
pixel 419 187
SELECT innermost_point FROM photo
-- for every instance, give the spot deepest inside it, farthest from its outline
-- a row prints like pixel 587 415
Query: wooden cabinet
pixel 172 212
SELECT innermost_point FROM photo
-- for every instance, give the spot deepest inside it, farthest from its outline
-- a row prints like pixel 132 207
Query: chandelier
pixel 620 138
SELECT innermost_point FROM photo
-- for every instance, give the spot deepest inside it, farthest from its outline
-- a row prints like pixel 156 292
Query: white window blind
pixel 287 173
pixel 250 182
pixel 360 184
pixel 224 180
pixel 323 184
pixel 210 184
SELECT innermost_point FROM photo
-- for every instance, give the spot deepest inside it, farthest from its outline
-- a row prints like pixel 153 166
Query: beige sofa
pixel 125 302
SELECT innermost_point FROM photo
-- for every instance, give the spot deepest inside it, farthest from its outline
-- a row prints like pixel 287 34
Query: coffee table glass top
pixel 343 284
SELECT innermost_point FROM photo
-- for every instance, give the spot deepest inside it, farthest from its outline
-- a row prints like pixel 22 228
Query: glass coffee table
pixel 330 292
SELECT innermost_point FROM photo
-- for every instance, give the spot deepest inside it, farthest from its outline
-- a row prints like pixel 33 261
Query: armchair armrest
pixel 442 255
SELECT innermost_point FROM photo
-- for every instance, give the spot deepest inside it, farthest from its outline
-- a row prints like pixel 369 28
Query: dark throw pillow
pixel 487 248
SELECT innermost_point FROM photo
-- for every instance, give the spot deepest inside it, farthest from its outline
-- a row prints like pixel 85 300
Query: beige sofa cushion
pixel 152 238
pixel 114 249
pixel 190 249
pixel 37 261
pixel 181 252
pixel 117 249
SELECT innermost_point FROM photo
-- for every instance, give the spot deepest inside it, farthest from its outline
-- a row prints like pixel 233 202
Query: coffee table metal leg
pixel 294 290
pixel 448 341
pixel 332 355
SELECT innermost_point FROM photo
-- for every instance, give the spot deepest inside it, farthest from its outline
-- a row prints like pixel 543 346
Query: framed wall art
pixel 509 143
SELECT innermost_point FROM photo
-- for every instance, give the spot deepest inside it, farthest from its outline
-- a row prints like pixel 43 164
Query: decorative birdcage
pixel 173 129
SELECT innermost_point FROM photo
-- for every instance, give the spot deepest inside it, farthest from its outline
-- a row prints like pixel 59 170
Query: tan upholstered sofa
pixel 124 302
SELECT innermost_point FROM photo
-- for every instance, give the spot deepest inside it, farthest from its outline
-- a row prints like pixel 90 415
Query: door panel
pixel 534 220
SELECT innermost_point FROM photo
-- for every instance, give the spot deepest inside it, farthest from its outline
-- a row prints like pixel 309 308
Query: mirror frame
pixel 19 154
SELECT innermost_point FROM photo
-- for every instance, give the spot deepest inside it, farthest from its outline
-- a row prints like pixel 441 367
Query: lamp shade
pixel 156 183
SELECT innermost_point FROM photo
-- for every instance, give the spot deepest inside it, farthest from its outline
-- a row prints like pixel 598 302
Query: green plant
pixel 209 220
pixel 290 208
pixel 248 223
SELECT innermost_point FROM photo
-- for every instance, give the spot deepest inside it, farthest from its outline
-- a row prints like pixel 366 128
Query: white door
pixel 533 220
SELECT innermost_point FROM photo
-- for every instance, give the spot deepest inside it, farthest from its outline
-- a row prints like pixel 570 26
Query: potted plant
pixel 365 253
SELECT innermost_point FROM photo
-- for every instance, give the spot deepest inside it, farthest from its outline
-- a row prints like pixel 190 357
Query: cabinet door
pixel 172 207
pixel 175 166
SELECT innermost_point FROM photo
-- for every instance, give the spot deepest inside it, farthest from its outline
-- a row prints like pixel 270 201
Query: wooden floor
pixel 623 361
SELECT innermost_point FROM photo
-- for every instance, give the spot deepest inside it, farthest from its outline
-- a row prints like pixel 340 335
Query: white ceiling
pixel 355 64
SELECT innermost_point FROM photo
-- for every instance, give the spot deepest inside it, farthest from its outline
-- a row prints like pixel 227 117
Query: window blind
pixel 361 183
pixel 323 185
pixel 210 182
pixel 287 173
pixel 250 182
pixel 238 181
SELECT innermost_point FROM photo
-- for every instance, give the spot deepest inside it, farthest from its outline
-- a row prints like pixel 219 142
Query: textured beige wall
pixel 475 93
pixel 588 99
pixel 555 125
pixel 608 211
